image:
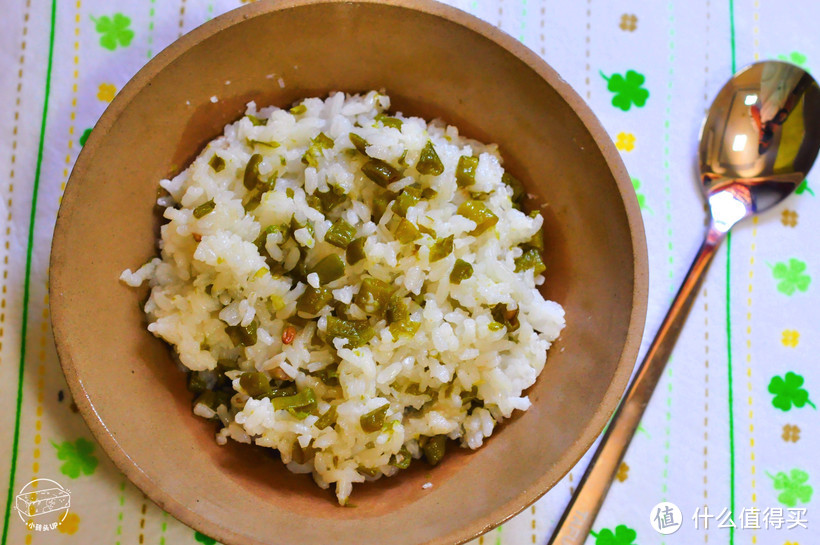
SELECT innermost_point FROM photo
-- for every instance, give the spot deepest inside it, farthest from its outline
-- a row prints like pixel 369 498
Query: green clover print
pixel 794 57
pixel 205 540
pixel 84 136
pixel 78 457
pixel 623 535
pixel 628 89
pixel 787 392
pixel 114 30
pixel 803 187
pixel 793 486
pixel 792 276
pixel 641 197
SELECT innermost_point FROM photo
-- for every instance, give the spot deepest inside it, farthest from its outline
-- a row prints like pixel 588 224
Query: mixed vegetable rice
pixel 350 288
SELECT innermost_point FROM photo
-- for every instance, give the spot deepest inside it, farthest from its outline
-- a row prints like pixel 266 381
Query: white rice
pixel 212 274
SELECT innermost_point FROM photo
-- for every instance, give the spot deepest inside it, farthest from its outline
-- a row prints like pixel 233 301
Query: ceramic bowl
pixel 434 61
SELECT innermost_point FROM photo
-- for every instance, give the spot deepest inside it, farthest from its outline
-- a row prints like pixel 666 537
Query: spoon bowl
pixel 759 140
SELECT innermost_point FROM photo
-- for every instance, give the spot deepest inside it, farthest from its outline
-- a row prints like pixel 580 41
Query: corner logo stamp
pixel 666 518
pixel 42 505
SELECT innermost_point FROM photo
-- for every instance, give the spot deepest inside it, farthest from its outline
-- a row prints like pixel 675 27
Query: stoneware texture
pixel 434 61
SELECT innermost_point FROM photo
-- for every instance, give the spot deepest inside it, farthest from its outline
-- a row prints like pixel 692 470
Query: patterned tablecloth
pixel 733 427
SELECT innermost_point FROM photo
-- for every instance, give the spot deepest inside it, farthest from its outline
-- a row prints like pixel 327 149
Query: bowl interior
pixel 434 62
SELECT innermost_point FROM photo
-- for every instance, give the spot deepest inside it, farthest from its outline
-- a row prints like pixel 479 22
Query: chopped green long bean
pixel 406 232
pixel 374 296
pixel 327 418
pixel 374 420
pixel 388 121
pixel 314 299
pixel 243 335
pixel 441 249
pixel 340 234
pixel 357 332
pixel 479 213
pixel 359 143
pixel 204 209
pixel 217 163
pixel 299 109
pixel 330 268
pixel 461 271
pixel 530 259
pixel 255 384
pixel 251 177
pixel 435 449
pixel 516 186
pixel 355 251
pixel 429 161
pixel 301 399
pixel 380 172
pixel 410 196
pixel 465 171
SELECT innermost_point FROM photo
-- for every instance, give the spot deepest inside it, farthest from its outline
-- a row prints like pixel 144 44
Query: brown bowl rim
pixel 612 157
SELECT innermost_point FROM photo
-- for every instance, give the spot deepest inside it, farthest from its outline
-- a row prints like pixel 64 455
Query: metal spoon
pixel 757 144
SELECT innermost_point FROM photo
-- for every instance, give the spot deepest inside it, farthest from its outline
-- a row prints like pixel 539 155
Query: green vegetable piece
pixel 401 459
pixel 397 309
pixel 434 449
pixel 369 471
pixel 340 234
pixel 298 454
pixel 299 109
pixel 311 156
pixel 479 213
pixel 410 196
pixel 389 121
pixel 461 271
pixel 272 145
pixel 314 299
pixel 530 259
pixel 355 251
pixel 255 121
pixel 380 204
pixel 251 177
pixel 441 249
pixel 204 209
pixel 406 327
pixel 196 382
pixel 515 184
pixel 359 143
pixel 428 193
pixel 426 231
pixel 213 399
pixel 302 399
pixel 330 268
pixel 326 419
pixel 374 296
pixel 256 385
pixel 314 202
pixel 357 332
pixel 406 232
pixel 217 163
pixel 380 172
pixel 330 200
pixel 537 240
pixel 507 318
pixel 244 336
pixel 465 171
pixel 403 160
pixel 374 420
pixel 284 391
pixel 290 193
pixel 429 161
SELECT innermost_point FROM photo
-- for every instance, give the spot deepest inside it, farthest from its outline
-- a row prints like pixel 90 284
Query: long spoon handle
pixel 576 522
